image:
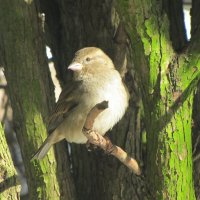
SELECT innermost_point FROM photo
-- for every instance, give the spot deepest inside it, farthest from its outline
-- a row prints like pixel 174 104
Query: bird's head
pixel 89 61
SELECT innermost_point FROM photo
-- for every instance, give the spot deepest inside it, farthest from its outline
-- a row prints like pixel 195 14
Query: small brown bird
pixel 95 80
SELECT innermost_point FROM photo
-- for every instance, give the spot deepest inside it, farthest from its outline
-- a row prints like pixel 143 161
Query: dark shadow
pixel 8 183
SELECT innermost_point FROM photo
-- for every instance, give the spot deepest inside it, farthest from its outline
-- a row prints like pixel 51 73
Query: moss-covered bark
pixel 29 85
pixel 128 30
pixel 96 23
pixel 164 79
pixel 9 186
pixel 195 14
pixel 167 82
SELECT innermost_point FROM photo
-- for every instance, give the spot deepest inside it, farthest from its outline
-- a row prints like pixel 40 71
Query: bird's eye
pixel 87 59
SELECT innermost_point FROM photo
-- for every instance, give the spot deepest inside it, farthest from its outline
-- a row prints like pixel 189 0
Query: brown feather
pixel 66 102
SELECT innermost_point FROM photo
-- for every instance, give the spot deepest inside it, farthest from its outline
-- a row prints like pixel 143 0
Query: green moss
pixel 23 53
pixel 169 147
pixel 8 176
pixel 179 151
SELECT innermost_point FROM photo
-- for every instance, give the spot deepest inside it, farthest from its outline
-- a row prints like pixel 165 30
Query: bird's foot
pixel 109 146
pixel 90 146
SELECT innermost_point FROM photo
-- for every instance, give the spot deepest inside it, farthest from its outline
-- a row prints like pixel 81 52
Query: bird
pixel 95 80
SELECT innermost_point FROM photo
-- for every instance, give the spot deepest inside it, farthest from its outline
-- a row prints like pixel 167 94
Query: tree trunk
pixel 195 14
pixel 139 33
pixel 97 23
pixel 141 38
pixel 9 186
pixel 167 81
pixel 30 90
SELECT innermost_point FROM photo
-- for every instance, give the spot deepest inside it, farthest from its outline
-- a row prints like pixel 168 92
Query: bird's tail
pixel 44 148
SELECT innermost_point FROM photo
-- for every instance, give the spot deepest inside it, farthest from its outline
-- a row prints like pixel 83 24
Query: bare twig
pixel 196 144
pixel 197 157
pixel 104 143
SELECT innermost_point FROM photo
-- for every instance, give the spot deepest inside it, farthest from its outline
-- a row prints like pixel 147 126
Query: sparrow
pixel 95 80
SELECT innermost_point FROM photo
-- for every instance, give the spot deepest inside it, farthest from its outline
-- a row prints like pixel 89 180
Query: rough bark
pixel 196 143
pixel 195 25
pixel 137 32
pixel 9 186
pixel 166 82
pixel 196 109
pixel 30 91
pixel 174 10
pixel 96 23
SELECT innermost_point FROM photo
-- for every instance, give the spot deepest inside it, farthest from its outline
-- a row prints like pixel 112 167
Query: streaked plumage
pixel 95 80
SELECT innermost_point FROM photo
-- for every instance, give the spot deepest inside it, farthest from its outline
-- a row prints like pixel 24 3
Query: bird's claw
pixel 90 146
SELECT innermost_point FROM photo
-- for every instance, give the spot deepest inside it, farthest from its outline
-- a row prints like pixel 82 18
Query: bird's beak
pixel 75 67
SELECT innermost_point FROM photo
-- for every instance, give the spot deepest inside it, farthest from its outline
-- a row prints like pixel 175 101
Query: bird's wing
pixel 67 101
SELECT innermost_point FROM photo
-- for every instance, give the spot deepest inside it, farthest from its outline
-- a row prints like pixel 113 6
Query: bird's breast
pixel 117 98
pixel 112 91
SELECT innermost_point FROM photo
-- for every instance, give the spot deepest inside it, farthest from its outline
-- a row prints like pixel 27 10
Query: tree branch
pixel 104 143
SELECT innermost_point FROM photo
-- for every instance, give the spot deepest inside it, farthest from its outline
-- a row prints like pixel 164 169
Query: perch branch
pixel 103 142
